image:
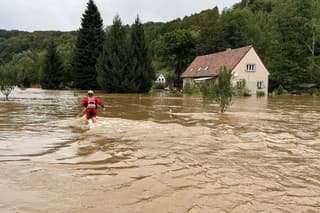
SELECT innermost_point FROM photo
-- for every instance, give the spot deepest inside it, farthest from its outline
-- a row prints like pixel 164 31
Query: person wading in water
pixel 91 104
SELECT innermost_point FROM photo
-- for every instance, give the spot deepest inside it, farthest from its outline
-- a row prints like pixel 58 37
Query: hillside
pixel 285 33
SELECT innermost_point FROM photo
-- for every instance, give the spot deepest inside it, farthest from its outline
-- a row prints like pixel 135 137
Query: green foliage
pixel 170 76
pixel 16 42
pixel 125 64
pixel 240 88
pixel 141 70
pixel 66 50
pixel 221 91
pixel 177 50
pixel 315 92
pixel 52 73
pixel 286 34
pixel 291 21
pixel 159 86
pixel 280 91
pixel 8 79
pixel 187 89
pixel 113 63
pixel 260 93
pixel 26 65
pixel 88 48
pixel 313 69
pixel 190 89
pixel 212 36
pixel 207 91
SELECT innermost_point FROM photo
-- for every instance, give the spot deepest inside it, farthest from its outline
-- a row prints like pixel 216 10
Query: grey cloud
pixel 65 14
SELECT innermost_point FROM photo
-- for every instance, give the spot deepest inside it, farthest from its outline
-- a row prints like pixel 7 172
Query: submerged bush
pixel 240 88
pixel 8 80
pixel 221 91
pixel 159 86
pixel 191 89
pixel 207 91
pixel 260 93
pixel 187 89
pixel 280 91
pixel 315 92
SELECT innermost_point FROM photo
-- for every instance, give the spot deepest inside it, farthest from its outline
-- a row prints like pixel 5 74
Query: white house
pixel 161 79
pixel 244 63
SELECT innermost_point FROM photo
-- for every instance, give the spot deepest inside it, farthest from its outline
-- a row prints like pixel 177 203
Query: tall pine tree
pixel 88 48
pixel 52 73
pixel 141 68
pixel 112 66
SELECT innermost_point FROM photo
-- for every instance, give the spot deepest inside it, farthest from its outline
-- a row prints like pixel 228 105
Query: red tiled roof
pixel 209 65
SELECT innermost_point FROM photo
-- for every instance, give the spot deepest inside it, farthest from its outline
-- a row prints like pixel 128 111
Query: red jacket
pixel 97 101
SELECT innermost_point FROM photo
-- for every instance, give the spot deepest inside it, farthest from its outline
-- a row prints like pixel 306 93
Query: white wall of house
pixel 188 81
pixel 252 69
pixel 161 79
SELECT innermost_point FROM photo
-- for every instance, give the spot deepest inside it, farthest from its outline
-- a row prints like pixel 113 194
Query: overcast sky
pixel 65 15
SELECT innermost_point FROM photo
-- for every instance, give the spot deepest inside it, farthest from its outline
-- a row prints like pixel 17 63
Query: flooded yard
pixel 159 153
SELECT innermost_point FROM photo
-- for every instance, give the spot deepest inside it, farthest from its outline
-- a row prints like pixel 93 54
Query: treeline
pixel 116 59
pixel 24 53
pixel 286 34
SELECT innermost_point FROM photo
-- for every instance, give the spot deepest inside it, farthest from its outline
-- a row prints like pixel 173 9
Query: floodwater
pixel 159 153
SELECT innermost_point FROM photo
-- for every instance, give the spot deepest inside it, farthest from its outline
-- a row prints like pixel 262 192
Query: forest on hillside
pixel 285 33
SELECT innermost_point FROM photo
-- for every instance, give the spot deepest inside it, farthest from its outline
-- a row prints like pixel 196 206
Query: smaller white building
pixel 161 79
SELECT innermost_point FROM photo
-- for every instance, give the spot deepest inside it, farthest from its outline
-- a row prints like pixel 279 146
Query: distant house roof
pixel 209 65
pixel 158 75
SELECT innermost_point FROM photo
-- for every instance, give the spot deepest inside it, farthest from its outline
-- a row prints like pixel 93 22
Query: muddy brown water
pixel 159 153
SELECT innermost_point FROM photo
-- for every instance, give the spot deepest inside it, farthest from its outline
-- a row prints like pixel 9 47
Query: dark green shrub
pixel 221 91
pixel 187 89
pixel 159 86
pixel 240 88
pixel 260 93
pixel 280 91
pixel 315 92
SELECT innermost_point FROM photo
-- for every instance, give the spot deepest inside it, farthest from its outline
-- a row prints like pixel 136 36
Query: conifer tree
pixel 52 73
pixel 88 48
pixel 141 68
pixel 112 66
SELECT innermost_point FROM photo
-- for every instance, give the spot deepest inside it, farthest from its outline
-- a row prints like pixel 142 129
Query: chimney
pixel 228 49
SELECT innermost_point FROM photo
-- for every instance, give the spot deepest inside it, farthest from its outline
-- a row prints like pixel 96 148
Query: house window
pixel 260 84
pixel 199 69
pixel 206 68
pixel 251 67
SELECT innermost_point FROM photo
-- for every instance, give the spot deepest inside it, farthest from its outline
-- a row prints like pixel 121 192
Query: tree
pixel 313 69
pixel 177 49
pixel 141 69
pixel 52 73
pixel 291 20
pixel 27 65
pixel 221 91
pixel 211 38
pixel 314 26
pixel 113 63
pixel 88 48
pixel 66 51
pixel 8 80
